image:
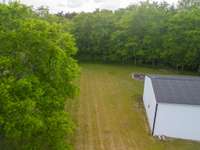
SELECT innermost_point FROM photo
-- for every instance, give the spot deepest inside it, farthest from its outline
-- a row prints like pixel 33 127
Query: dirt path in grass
pixel 102 124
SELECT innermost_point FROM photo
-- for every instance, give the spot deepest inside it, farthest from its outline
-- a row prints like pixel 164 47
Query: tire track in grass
pixel 80 140
pixel 96 136
pixel 94 122
pixel 95 108
pixel 89 121
pixel 97 143
pixel 95 95
pixel 96 118
pixel 108 131
pixel 84 110
pixel 121 139
pixel 114 139
pixel 127 132
pixel 99 132
pixel 128 137
pixel 92 131
pixel 79 137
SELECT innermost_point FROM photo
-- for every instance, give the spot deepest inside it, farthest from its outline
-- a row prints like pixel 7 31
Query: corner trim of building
pixel 154 120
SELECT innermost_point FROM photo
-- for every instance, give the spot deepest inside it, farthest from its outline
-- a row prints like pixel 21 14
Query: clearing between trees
pixel 109 115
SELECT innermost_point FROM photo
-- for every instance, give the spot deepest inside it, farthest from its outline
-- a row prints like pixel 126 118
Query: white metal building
pixel 172 105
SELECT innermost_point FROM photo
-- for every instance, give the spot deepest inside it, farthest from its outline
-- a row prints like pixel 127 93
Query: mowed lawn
pixel 109 114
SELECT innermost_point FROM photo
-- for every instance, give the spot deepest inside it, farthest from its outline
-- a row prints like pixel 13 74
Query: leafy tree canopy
pixel 37 72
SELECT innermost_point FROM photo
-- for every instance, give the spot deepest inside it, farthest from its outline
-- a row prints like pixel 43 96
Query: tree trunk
pixel 182 68
pixel 135 61
pixel 177 68
pixel 153 63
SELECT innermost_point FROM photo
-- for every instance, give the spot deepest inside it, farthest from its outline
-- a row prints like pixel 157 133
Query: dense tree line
pixel 146 33
pixel 37 72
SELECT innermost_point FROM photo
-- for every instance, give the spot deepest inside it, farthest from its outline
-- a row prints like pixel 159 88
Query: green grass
pixel 108 115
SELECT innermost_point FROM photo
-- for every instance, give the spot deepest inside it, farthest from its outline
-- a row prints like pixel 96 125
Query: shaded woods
pixel 146 33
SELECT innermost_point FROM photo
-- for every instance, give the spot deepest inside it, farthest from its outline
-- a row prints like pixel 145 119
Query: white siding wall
pixel 149 101
pixel 178 121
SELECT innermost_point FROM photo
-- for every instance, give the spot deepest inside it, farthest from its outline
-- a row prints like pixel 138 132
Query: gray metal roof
pixel 176 89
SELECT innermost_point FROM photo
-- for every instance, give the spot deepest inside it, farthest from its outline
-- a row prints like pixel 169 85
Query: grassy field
pixel 109 116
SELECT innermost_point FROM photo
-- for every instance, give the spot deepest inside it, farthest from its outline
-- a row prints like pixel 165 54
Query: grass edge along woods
pixel 37 77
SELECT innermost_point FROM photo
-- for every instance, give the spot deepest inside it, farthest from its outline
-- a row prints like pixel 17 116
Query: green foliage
pixel 36 77
pixel 37 69
pixel 147 33
pixel 93 34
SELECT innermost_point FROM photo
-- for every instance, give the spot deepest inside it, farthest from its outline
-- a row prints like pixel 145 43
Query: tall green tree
pixel 183 39
pixel 36 78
